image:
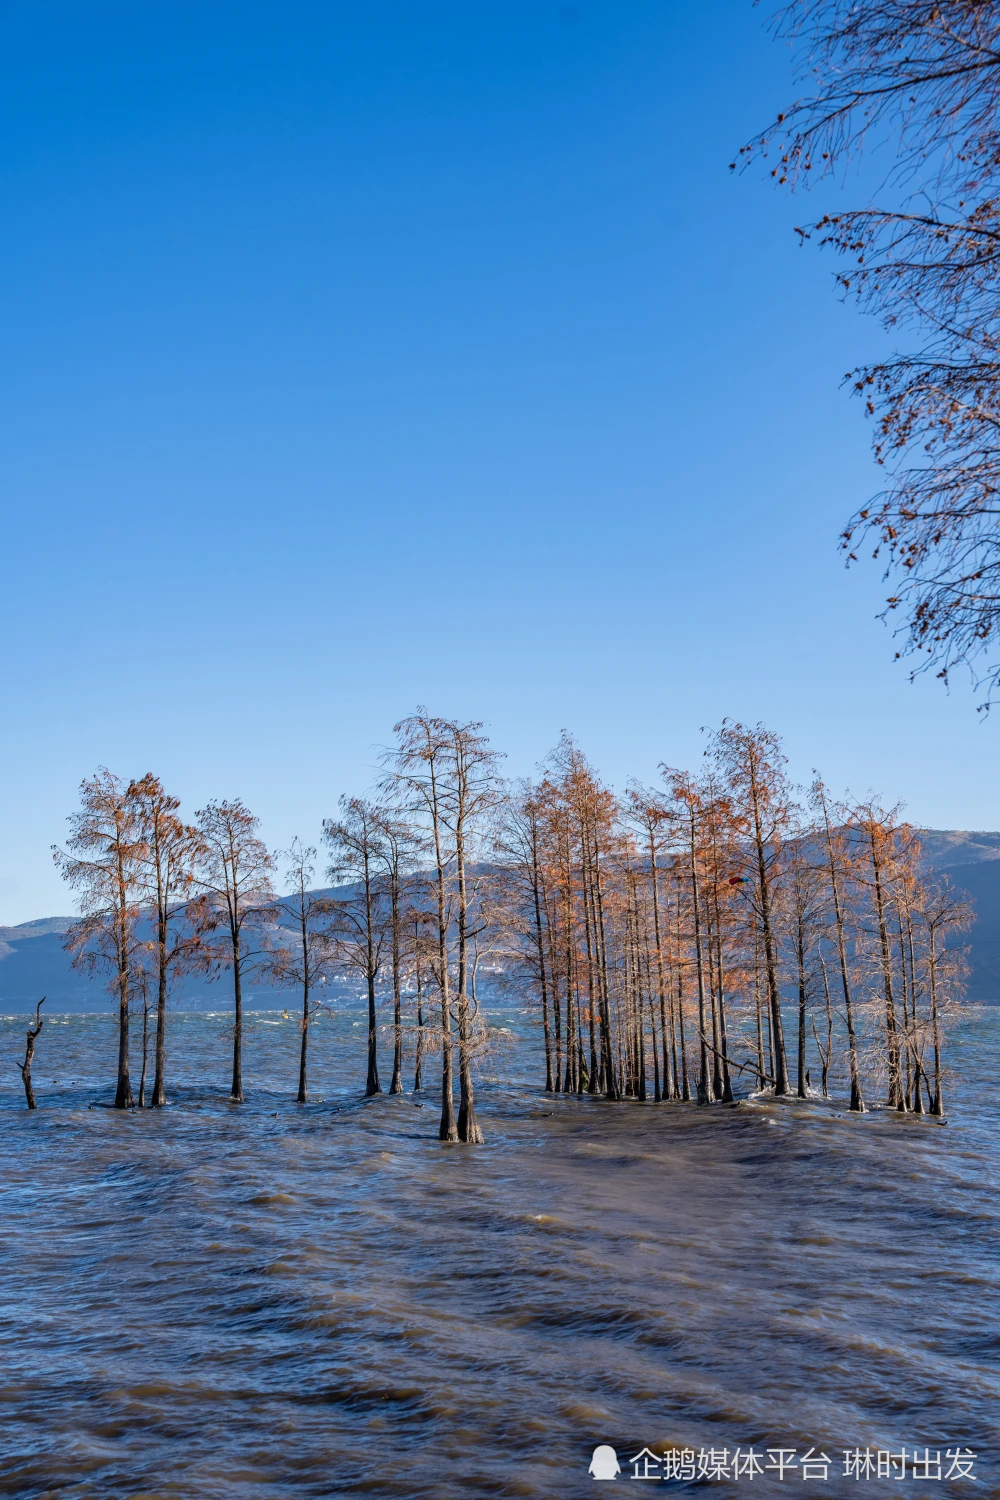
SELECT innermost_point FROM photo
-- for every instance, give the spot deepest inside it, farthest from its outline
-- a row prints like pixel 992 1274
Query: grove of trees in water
pixel 712 931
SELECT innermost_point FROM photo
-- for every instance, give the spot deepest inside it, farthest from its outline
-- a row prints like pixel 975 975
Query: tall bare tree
pixel 806 912
pixel 519 841
pixel 688 813
pixel 304 957
pixel 751 764
pixel 838 860
pixel 652 819
pixel 234 875
pixel 399 848
pixel 170 850
pixel 103 862
pixel 876 827
pixel 945 911
pixel 446 774
pixel 361 922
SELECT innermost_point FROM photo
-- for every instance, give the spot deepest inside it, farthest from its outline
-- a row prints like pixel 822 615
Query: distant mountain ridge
pixel 971 861
pixel 40 928
pixel 33 961
pixel 945 848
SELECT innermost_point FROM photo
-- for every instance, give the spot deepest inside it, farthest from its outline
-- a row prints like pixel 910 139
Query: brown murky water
pixel 220 1301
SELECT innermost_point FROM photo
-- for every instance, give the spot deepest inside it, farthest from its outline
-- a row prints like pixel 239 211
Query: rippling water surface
pixel 271 1300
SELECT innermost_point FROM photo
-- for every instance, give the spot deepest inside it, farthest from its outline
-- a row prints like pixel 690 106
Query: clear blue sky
pixel 366 353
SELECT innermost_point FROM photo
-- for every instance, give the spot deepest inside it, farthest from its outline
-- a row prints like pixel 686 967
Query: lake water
pixel 271 1300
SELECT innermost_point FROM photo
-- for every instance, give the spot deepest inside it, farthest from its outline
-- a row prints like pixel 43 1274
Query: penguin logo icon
pixel 604 1464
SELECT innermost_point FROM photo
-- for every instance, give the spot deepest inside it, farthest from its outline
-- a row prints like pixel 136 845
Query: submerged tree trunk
pixel 236 1092
pixel 123 1091
pixel 825 1056
pixel 372 1084
pixel 159 1097
pixel 779 1066
pixel 396 1086
pixel 611 1086
pixel 145 1051
pixel 418 1064
pixel 800 953
pixel 685 1075
pixel 302 1096
pixel 699 968
pixel 468 1125
pixel 722 1059
pixel 29 1052
pixel 937 1100
pixel 550 1074
pixel 448 1127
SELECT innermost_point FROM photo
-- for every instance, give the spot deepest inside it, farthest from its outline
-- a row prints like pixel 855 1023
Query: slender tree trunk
pixel 668 1081
pixel 714 983
pixel 896 1099
pixel 937 1102
pixel 685 1078
pixel 123 1091
pixel 679 1083
pixel 159 1097
pixel 582 1076
pixel 916 1046
pixel 418 1065
pixel 468 1126
pixel 396 1086
pixel 542 977
pixel 557 1023
pixel 800 953
pixel 825 1057
pixel 145 1051
pixel 591 961
pixel 760 1019
pixel 779 1067
pixel 29 1053
pixel 722 1057
pixel 448 1128
pixel 727 1081
pixel 572 1004
pixel 699 969
pixel 611 1089
pixel 303 1094
pixel 569 1081
pixel 714 999
pixel 646 970
pixel 372 1084
pixel 236 1093
pixel 857 1104
pixel 906 1060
